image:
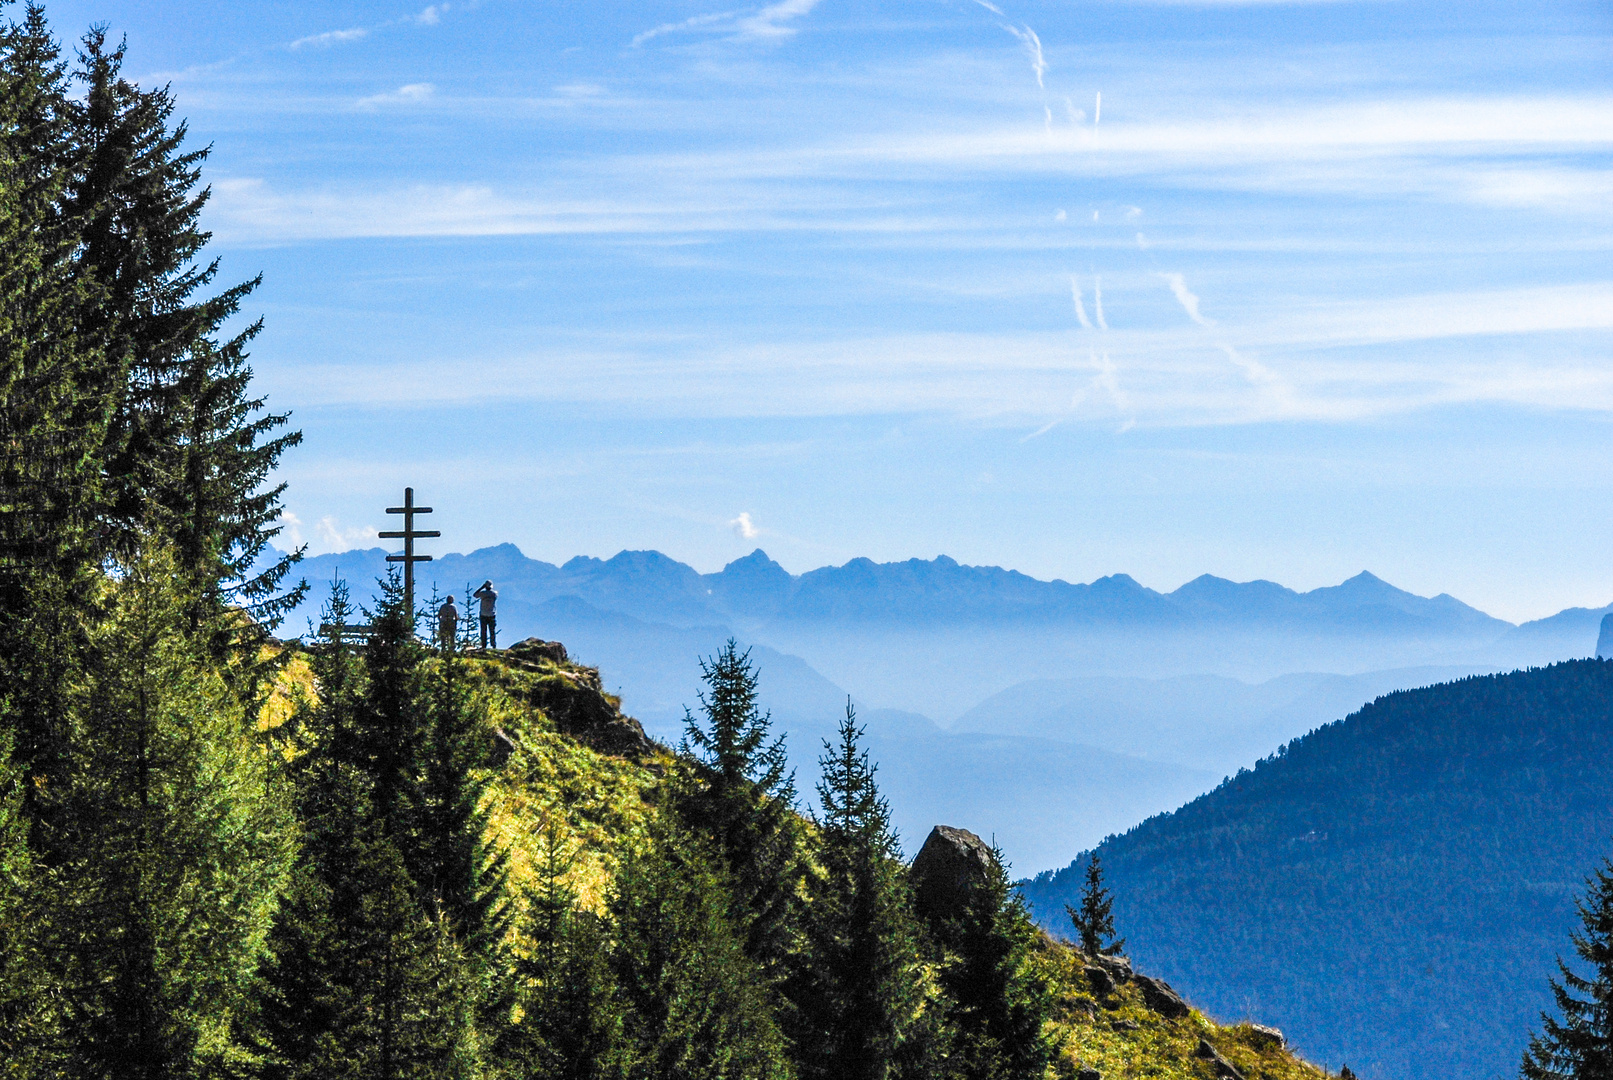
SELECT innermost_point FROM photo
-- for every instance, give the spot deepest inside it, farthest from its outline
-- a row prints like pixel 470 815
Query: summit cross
pixel 409 535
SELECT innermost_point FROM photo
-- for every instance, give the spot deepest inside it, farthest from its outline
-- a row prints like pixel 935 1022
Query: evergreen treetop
pixel 1579 1046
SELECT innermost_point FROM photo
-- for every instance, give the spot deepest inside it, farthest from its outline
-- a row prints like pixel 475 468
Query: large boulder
pixel 536 649
pixel 1158 995
pixel 948 868
pixel 1265 1038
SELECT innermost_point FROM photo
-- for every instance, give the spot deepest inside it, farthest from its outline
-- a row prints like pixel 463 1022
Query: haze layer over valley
pixel 1059 712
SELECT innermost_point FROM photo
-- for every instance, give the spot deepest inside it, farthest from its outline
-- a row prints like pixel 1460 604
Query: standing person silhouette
pixel 488 597
pixel 447 622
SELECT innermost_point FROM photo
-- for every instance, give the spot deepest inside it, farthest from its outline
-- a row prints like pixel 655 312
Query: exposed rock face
pixel 1604 640
pixel 1118 967
pixel 1102 984
pixel 534 649
pixel 1222 1066
pixel 1159 996
pixel 1267 1038
pixel 947 869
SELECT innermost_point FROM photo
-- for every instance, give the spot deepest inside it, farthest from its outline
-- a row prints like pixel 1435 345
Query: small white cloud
pixel 743 527
pixel 1189 302
pixel 1061 216
pixel 1133 213
pixel 411 94
pixel 432 15
pixel 329 38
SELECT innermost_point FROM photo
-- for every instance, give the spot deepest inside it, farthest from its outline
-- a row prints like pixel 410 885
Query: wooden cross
pixel 409 535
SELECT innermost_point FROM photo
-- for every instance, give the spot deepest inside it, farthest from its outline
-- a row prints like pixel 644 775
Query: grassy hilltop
pixel 555 780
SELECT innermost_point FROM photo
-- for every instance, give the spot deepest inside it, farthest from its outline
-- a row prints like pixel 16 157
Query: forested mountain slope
pixel 1390 889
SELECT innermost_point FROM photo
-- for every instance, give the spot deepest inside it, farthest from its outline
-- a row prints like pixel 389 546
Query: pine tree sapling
pixel 1094 920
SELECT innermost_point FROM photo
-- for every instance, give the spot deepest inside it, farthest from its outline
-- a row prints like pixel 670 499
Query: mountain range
pixel 984 688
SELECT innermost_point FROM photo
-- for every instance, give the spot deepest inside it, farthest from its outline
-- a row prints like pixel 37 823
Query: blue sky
pixel 1263 290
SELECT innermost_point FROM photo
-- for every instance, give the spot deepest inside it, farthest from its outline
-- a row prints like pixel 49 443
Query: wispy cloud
pixel 696 22
pixel 1033 49
pixel 1080 308
pixel 774 20
pixel 1097 303
pixel 412 94
pixel 432 15
pixel 329 38
pixel 993 8
pixel 744 527
pixel 1189 302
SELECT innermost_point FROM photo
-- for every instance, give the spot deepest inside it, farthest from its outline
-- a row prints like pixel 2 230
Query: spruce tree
pixel 186 434
pixel 362 980
pixel 696 1005
pixel 461 879
pixel 741 798
pixel 863 983
pixel 572 1025
pixel 1094 920
pixel 1579 1046
pixel 997 1002
pixel 167 848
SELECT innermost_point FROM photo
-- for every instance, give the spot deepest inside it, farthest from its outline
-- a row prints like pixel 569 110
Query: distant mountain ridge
pixel 756 590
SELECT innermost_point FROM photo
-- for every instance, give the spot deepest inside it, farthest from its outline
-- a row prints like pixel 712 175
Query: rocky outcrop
pixel 1266 1038
pixel 1158 995
pixel 947 869
pixel 1118 967
pixel 536 649
pixel 570 695
pixel 1223 1067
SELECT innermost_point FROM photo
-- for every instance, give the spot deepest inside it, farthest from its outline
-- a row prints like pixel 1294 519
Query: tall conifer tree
pixel 742 799
pixel 863 981
pixel 697 1008
pixel 998 1003
pixel 186 435
pixel 170 849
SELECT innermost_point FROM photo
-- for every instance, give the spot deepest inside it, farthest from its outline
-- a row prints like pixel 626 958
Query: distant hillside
pixel 1390 889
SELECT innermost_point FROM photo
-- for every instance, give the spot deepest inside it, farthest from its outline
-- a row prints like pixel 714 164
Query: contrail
pixel 1097 302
